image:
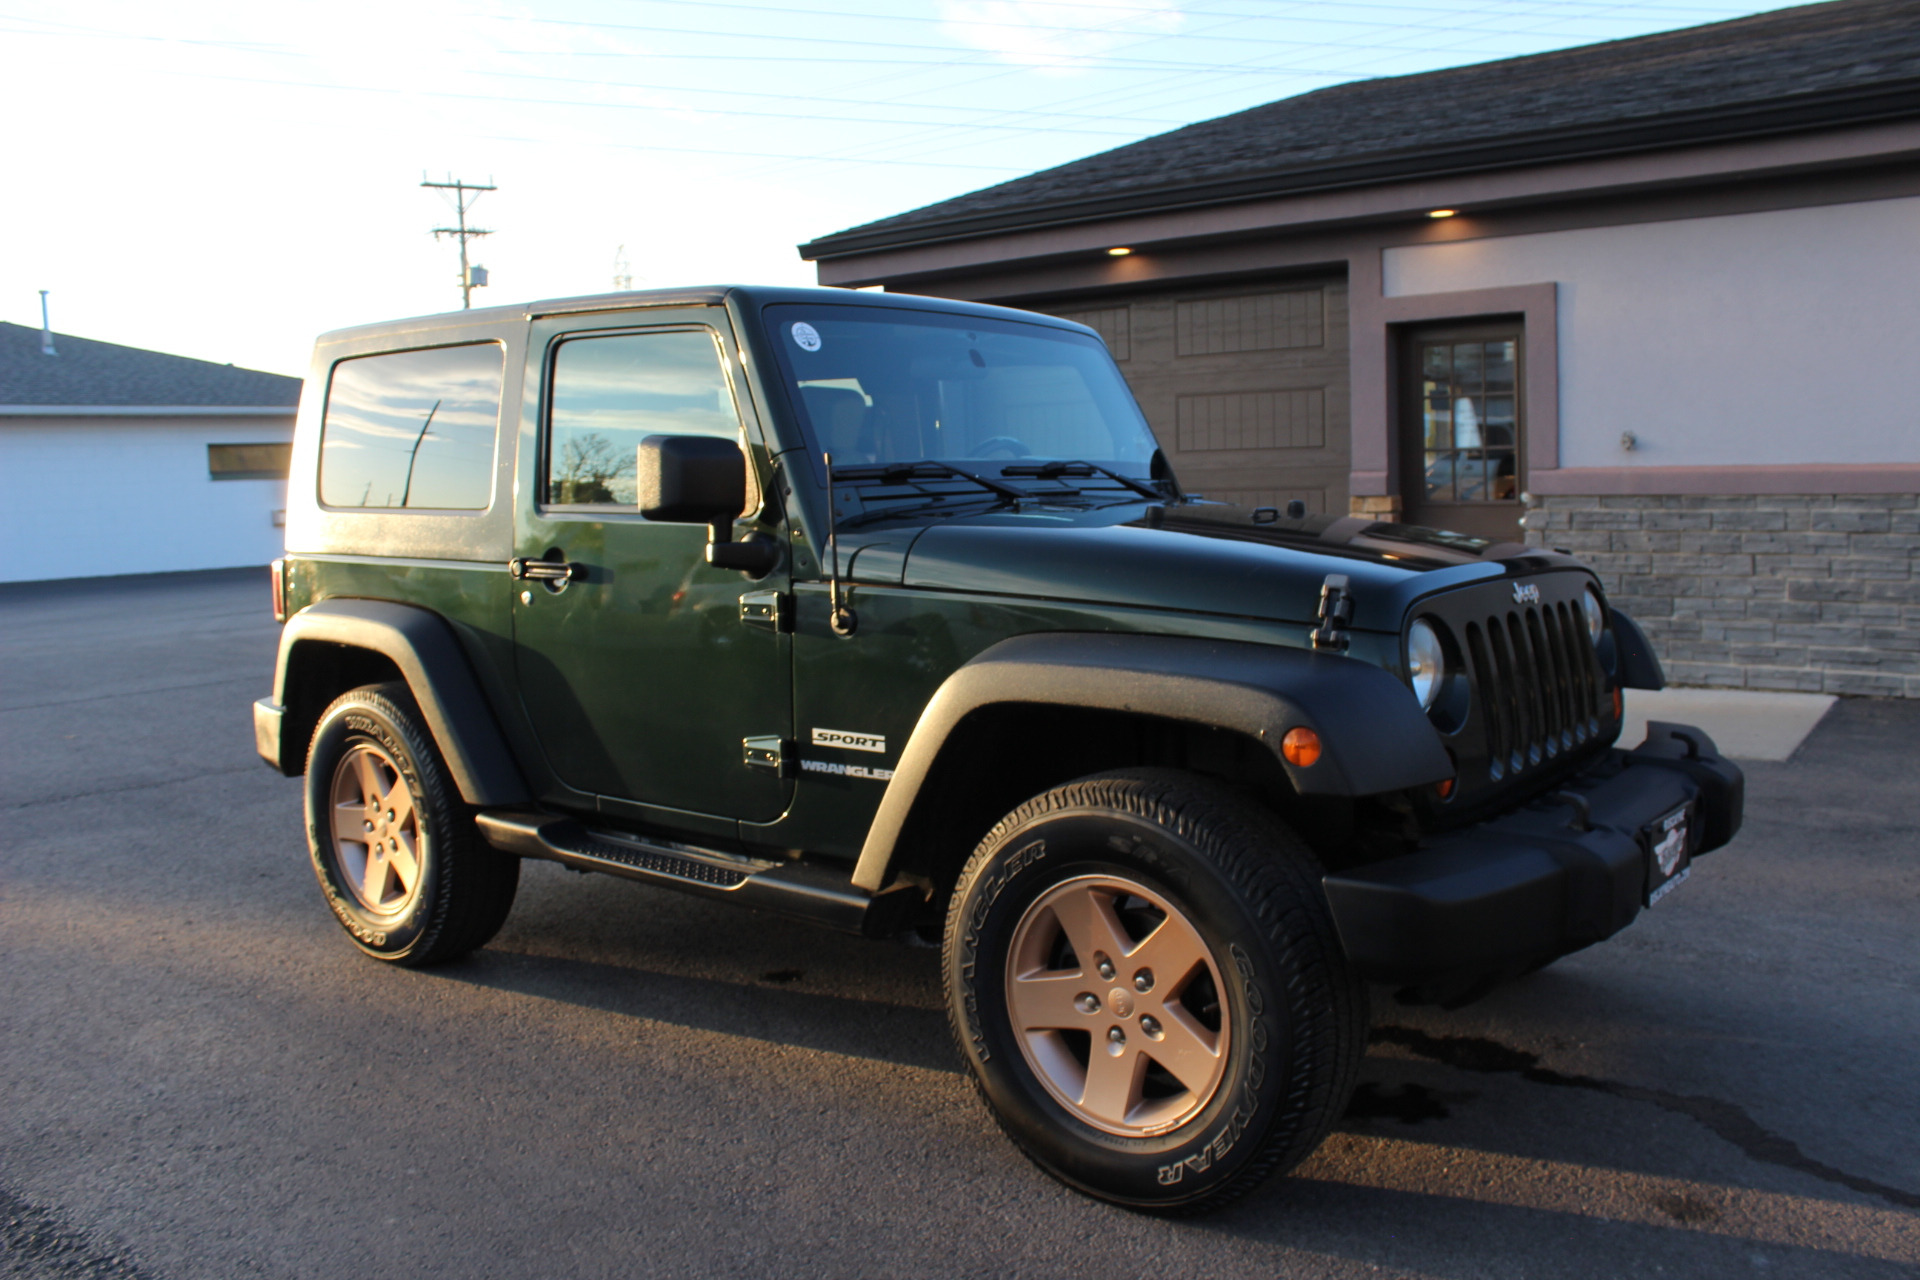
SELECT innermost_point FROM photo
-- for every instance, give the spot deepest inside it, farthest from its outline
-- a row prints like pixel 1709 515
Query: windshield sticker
pixel 850 741
pixel 805 336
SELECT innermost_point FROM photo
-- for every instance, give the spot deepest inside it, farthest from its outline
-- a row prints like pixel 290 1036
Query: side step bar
pixel 800 890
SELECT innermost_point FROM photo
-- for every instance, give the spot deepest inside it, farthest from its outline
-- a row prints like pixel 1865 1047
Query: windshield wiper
pixel 927 468
pixel 908 473
pixel 1054 470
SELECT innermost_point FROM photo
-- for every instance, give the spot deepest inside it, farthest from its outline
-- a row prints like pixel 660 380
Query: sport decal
pixel 848 741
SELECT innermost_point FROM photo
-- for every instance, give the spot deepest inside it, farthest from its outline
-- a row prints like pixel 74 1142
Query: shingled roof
pixel 107 375
pixel 1847 62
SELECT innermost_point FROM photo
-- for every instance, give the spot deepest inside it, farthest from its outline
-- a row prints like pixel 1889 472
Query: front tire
pixel 1146 984
pixel 393 845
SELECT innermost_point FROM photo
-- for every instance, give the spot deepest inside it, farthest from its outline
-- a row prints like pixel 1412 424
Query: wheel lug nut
pixel 1103 965
pixel 389 815
pixel 1116 1040
pixel 1143 980
pixel 1088 1003
pixel 367 825
pixel 1151 1026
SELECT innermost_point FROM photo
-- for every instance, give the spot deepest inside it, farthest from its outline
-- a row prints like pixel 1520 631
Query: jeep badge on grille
pixel 1525 593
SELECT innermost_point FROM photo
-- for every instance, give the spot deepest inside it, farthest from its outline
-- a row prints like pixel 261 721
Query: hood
pixel 1206 558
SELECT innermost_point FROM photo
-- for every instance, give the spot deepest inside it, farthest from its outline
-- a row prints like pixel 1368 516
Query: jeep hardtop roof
pixel 692 296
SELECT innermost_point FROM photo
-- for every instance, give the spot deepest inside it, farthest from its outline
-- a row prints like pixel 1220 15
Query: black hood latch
pixel 1336 611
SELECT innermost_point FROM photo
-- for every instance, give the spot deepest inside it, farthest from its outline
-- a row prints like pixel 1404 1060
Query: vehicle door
pixel 639 675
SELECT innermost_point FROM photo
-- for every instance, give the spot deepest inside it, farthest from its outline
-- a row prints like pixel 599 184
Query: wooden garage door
pixel 1246 388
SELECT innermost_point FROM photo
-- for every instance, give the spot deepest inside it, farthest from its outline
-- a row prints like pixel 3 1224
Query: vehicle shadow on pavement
pixel 1429 1163
pixel 767 1010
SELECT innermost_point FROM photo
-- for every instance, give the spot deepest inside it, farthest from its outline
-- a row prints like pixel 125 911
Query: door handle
pixel 544 570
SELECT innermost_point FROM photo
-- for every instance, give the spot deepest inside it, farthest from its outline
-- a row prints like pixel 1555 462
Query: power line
pixel 1170 77
pixel 1606 8
pixel 972 54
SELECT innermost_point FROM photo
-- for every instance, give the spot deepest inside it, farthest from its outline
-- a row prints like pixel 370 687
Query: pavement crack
pixel 136 786
pixel 1725 1120
pixel 126 693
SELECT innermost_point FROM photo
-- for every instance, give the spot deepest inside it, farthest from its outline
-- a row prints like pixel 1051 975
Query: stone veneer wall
pixel 1819 593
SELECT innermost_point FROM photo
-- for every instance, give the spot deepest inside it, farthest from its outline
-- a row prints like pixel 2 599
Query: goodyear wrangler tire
pixel 1147 987
pixel 393 845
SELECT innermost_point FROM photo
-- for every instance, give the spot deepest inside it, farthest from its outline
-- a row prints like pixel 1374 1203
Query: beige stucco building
pixel 1656 301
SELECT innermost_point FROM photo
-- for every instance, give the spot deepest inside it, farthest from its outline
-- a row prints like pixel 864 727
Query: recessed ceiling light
pixel 1118 251
pixel 1443 213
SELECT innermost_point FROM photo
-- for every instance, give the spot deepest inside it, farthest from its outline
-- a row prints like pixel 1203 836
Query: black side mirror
pixel 701 480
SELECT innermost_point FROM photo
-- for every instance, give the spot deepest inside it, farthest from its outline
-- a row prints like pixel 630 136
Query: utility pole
pixel 622 273
pixel 471 278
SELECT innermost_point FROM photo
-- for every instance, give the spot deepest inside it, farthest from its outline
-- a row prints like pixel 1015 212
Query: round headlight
pixel 1596 616
pixel 1426 662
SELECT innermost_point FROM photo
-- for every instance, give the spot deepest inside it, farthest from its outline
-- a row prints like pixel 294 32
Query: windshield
pixel 888 386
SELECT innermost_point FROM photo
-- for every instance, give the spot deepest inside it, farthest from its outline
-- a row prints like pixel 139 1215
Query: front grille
pixel 1537 682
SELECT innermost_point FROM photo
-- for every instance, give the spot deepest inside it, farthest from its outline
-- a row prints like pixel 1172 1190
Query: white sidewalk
pixel 1745 724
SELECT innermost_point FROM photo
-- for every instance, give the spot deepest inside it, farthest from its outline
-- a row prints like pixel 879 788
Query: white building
pixel 117 460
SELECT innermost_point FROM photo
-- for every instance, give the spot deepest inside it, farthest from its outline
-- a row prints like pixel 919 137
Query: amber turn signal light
pixel 1616 704
pixel 1444 789
pixel 1301 747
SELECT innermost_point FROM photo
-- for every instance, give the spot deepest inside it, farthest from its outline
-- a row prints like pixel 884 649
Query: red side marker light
pixel 279 569
pixel 1616 704
pixel 1444 789
pixel 1301 747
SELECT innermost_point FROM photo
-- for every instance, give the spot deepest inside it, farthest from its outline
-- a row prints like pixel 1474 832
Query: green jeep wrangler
pixel 888 613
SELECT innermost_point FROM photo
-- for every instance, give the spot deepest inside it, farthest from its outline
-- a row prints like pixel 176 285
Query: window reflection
pixel 887 385
pixel 1470 423
pixel 610 393
pixel 412 429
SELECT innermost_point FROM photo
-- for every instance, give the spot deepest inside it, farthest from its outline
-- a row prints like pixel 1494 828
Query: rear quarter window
pixel 412 429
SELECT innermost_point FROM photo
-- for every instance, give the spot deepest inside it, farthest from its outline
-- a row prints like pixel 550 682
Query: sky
pixel 226 179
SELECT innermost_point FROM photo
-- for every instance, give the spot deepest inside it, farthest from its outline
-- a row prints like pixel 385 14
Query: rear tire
pixel 393 845
pixel 1213 1035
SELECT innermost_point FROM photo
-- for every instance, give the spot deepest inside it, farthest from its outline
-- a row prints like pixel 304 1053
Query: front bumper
pixel 267 717
pixel 1537 883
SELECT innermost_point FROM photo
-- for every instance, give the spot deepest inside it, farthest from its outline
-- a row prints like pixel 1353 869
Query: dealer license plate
pixel 1668 862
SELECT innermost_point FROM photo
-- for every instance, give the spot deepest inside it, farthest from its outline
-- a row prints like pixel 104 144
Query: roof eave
pixel 1797 114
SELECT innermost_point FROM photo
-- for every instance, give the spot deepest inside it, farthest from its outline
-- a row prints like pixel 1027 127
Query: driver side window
pixel 610 392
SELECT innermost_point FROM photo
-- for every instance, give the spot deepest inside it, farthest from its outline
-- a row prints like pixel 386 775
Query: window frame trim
pixel 1409 422
pixel 543 437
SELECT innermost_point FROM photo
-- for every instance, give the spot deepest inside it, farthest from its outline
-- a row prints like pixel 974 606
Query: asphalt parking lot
pixel 202 1078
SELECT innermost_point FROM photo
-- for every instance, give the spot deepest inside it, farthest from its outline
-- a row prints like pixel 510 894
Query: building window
pixel 249 461
pixel 1464 463
pixel 412 429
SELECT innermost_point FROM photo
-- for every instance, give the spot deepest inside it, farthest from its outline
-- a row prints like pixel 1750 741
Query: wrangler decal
pixel 845 770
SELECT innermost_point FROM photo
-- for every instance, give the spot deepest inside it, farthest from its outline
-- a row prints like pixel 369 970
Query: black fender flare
pixel 1638 666
pixel 428 654
pixel 1374 737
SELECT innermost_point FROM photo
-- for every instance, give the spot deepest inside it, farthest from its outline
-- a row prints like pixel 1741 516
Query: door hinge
pixel 770 609
pixel 773 755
